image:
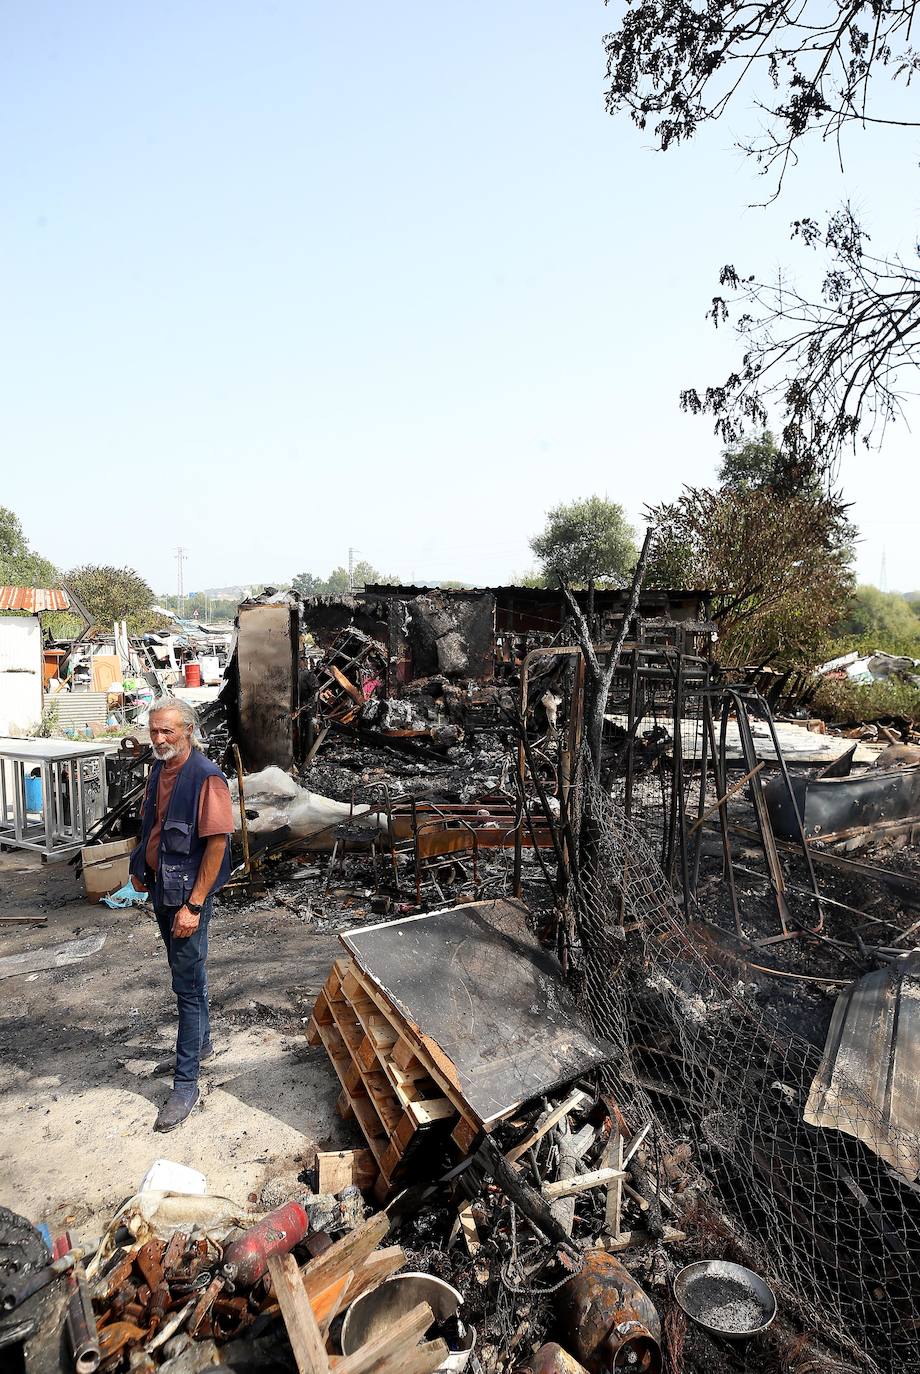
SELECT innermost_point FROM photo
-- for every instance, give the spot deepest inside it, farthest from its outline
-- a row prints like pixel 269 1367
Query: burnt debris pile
pixel 624 1022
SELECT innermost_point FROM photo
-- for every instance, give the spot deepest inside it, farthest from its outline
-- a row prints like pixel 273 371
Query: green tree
pixel 366 575
pixel 337 583
pixel 305 584
pixel 111 594
pixel 759 463
pixel 19 565
pixel 886 616
pixel 586 543
pixel 778 564
pixel 530 578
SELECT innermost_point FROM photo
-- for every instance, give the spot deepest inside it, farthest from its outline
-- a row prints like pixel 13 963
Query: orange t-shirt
pixel 215 809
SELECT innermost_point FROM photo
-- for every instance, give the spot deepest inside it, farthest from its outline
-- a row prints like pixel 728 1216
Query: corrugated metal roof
pixel 33 599
pixel 79 709
pixel 868 1085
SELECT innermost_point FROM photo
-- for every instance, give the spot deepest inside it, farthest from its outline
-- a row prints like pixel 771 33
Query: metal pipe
pixel 81 1326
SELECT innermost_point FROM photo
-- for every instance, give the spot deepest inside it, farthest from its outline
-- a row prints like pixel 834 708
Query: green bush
pixel 866 644
pixel 49 724
pixel 842 701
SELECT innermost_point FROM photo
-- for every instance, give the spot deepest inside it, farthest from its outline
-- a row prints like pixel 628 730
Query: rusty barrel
pixel 608 1319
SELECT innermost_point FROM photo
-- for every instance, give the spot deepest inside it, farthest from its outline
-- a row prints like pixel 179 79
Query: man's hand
pixel 138 883
pixel 185 923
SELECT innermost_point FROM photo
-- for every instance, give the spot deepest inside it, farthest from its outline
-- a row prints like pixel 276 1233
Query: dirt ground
pixel 79 1043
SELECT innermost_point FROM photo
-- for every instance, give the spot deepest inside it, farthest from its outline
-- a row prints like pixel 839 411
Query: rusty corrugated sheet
pixel 33 599
pixel 868 1085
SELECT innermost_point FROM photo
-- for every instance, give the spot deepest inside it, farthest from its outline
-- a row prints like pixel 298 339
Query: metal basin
pixel 725 1298
pixel 375 1312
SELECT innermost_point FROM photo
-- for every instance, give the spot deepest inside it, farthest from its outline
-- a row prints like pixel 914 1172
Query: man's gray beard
pixel 165 752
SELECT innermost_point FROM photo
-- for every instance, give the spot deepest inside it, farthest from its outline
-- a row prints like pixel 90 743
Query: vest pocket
pixel 176 883
pixel 176 837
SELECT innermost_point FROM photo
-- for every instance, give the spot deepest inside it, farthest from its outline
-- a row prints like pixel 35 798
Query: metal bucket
pixel 375 1312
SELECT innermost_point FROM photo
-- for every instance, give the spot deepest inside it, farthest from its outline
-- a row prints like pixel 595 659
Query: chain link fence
pixel 721 1061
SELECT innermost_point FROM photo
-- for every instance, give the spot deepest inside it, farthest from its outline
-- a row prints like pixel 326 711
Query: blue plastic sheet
pixel 125 896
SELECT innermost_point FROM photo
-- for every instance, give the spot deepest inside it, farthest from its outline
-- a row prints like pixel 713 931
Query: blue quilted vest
pixel 181 848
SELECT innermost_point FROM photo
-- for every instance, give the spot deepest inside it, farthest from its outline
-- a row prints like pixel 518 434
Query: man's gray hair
pixel 185 708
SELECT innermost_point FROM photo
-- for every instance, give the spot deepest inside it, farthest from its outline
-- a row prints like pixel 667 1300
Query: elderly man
pixel 183 858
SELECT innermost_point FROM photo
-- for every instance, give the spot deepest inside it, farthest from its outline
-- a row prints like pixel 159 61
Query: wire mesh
pixel 654 702
pixel 718 1062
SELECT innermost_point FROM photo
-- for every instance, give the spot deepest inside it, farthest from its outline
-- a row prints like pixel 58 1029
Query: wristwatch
pixel 194 908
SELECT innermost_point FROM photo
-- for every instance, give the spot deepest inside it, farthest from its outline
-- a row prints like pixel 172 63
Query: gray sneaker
pixel 177 1107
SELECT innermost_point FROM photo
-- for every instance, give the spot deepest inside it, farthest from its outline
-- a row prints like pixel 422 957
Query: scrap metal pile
pixel 163 1293
pixel 788 1063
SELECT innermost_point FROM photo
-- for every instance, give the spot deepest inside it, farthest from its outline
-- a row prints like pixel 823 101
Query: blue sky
pixel 280 278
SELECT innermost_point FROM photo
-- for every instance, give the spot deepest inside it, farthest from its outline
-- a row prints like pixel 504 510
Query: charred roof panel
pixel 868 1085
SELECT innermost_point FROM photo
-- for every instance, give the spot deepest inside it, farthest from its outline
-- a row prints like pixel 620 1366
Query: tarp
pixel 874 667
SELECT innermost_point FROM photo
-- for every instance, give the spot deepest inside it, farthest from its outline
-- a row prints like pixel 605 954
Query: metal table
pixel 73 784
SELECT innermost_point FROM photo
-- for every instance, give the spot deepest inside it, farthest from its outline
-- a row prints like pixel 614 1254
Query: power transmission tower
pixel 180 586
pixel 351 569
pixel 883 574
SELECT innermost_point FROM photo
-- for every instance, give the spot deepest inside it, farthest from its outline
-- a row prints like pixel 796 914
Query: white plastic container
pixel 164 1176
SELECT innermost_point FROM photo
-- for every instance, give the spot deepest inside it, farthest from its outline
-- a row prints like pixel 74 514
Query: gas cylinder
pixel 552 1359
pixel 246 1259
pixel 610 1322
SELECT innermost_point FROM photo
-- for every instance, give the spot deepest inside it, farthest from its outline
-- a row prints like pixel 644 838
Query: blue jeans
pixel 188 965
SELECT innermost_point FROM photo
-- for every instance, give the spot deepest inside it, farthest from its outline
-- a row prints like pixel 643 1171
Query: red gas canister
pixel 246 1259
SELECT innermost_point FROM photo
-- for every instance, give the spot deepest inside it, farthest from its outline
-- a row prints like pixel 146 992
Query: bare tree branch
pixel 597 678
pixel 836 365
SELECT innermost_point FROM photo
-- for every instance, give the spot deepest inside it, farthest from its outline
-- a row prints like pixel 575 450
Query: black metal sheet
pixel 267 648
pixel 831 806
pixel 475 984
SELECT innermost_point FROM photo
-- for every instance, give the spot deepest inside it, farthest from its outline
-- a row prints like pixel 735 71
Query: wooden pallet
pixel 386 1087
pixel 411 1049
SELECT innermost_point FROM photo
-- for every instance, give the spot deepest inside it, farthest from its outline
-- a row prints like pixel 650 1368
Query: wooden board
pixel 338 1169
pixel 303 1332
pixel 483 1002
